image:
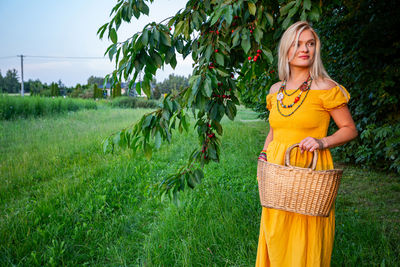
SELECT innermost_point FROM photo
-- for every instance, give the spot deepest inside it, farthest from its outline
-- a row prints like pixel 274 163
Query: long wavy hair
pixel 317 70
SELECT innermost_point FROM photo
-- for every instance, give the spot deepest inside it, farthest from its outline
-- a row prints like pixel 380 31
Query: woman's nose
pixel 304 47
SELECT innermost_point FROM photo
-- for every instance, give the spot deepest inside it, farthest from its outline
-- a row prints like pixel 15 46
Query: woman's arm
pixel 347 131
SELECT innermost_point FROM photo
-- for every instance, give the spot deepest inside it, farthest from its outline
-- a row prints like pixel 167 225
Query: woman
pixel 301 105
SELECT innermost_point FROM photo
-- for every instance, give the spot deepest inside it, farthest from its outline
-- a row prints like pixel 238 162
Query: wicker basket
pixel 295 189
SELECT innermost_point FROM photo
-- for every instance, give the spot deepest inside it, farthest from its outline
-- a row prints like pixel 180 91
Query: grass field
pixel 62 202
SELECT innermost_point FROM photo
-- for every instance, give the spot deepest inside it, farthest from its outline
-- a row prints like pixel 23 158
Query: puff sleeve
pixel 269 101
pixel 334 98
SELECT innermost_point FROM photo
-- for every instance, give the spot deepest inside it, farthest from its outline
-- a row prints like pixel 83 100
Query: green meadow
pixel 64 203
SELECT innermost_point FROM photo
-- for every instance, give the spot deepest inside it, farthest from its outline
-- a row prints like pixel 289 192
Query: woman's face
pixel 305 51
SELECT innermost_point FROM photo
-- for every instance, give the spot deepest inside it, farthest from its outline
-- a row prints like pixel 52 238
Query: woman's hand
pixel 311 143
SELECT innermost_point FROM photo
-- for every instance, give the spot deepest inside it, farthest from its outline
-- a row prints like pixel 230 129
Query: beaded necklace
pixel 304 87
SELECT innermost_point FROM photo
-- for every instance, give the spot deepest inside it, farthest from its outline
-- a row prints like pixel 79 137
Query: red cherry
pixel 209 125
pixel 170 28
pixel 258 51
pixel 216 50
pixel 202 151
pixel 258 54
pixel 232 76
pixel 251 31
pixel 204 156
pixel 217 32
pixel 255 59
pixel 249 58
pixel 230 89
pixel 233 31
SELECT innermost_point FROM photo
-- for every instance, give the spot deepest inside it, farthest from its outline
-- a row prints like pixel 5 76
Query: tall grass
pixel 13 107
pixel 64 203
pixel 132 102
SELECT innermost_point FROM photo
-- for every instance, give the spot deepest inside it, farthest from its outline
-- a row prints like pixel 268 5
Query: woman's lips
pixel 304 57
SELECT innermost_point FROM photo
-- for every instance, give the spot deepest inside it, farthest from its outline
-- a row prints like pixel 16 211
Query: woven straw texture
pixel 296 189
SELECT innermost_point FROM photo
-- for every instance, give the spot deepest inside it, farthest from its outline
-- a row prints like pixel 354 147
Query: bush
pixel 134 102
pixel 360 49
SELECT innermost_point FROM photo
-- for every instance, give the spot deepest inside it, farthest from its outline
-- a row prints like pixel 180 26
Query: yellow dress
pixel 287 238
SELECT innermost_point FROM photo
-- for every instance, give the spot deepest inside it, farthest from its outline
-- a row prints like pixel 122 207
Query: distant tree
pixel 173 82
pixel 54 89
pixel 116 91
pixel 1 83
pixel 36 87
pixel 95 80
pixel 10 82
pixel 97 92
pixel 77 91
pixel 156 93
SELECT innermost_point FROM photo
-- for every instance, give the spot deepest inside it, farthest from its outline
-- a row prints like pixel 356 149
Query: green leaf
pixel 157 139
pixel 166 39
pixel 112 51
pixel 286 22
pixel 228 15
pixel 208 87
pixel 307 4
pixel 217 127
pixel 146 87
pixel 145 37
pixel 314 14
pixel 208 52
pixel 230 110
pixel 246 45
pixel 268 53
pixel 285 9
pixel 113 35
pixel 252 8
pixel 270 19
pixel 258 34
pixel 235 40
pixel 220 59
pixel 216 16
pixel 303 15
pixel 178 28
pixel 105 145
pixel 222 73
pixel 173 61
pixel 293 11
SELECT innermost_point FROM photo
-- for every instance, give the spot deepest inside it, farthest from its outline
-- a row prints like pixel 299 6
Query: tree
pixel 95 80
pixel 36 87
pixel 116 91
pixel 54 89
pixel 11 83
pixel 173 82
pixel 1 83
pixel 233 46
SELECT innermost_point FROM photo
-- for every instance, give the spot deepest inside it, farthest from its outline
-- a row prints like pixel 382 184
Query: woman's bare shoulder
pixel 323 84
pixel 275 87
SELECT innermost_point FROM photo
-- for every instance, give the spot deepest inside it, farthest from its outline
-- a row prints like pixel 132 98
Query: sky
pixel 67 28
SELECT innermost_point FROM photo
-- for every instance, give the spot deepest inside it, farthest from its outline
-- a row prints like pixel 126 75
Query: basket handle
pixel 313 164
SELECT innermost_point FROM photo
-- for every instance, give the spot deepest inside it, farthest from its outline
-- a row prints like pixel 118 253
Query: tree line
pixel 92 89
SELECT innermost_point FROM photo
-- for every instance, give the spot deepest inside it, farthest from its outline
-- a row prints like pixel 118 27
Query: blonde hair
pixel 317 70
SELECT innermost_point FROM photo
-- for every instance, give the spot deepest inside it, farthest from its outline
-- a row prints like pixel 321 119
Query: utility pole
pixel 22 74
